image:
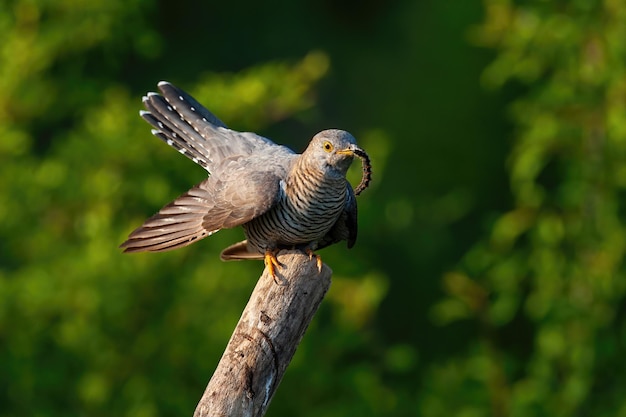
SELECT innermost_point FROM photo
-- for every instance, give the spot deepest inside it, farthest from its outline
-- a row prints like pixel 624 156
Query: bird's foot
pixel 271 263
pixel 318 259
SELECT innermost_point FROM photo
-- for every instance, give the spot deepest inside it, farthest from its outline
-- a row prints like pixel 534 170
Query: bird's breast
pixel 308 208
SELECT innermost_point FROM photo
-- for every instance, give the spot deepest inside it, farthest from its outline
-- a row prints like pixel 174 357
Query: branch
pixel 265 339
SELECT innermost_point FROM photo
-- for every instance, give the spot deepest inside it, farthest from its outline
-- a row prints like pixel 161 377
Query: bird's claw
pixel 271 263
pixel 318 259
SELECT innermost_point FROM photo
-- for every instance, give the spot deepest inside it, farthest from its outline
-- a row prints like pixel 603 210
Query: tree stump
pixel 265 338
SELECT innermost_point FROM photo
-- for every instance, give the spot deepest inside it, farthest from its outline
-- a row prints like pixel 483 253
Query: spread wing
pixel 187 126
pixel 246 170
pixel 221 201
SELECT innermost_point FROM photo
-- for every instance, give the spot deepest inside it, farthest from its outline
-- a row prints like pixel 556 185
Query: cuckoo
pixel 282 199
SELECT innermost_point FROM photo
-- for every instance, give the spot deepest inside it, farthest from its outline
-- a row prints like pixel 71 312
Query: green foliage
pixel 529 318
pixel 552 267
pixel 83 327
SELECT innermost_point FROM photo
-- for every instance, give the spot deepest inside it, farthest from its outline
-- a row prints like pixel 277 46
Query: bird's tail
pixel 181 122
pixel 239 251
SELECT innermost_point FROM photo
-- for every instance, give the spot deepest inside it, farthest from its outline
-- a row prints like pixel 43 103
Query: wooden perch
pixel 265 339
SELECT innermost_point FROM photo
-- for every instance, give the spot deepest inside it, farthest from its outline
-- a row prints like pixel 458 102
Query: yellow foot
pixel 318 259
pixel 271 263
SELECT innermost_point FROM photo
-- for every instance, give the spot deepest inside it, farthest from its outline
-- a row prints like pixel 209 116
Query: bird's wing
pixel 245 188
pixel 183 123
pixel 346 226
pixel 178 224
pixel 235 197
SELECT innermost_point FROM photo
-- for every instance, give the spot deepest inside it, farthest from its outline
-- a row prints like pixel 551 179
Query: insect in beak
pixel 367 170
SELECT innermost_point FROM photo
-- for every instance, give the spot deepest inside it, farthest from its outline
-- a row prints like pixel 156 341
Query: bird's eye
pixel 328 146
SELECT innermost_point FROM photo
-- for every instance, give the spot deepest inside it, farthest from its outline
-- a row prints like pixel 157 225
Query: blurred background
pixel 487 279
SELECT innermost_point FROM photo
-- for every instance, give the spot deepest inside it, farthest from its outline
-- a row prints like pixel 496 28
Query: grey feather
pixel 198 131
pixel 281 199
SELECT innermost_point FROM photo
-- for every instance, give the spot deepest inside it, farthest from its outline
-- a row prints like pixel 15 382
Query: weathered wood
pixel 265 339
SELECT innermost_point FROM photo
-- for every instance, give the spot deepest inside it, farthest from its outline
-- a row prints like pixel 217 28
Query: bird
pixel 283 200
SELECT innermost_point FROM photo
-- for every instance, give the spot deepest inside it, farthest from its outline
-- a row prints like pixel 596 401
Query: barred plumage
pixel 308 208
pixel 281 199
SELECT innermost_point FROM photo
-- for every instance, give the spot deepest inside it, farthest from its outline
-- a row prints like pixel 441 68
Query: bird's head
pixel 332 151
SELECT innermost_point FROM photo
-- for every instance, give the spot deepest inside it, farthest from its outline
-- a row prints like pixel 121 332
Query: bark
pixel 265 339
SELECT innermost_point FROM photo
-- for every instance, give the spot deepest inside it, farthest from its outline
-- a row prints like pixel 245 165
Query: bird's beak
pixel 352 150
pixel 346 151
